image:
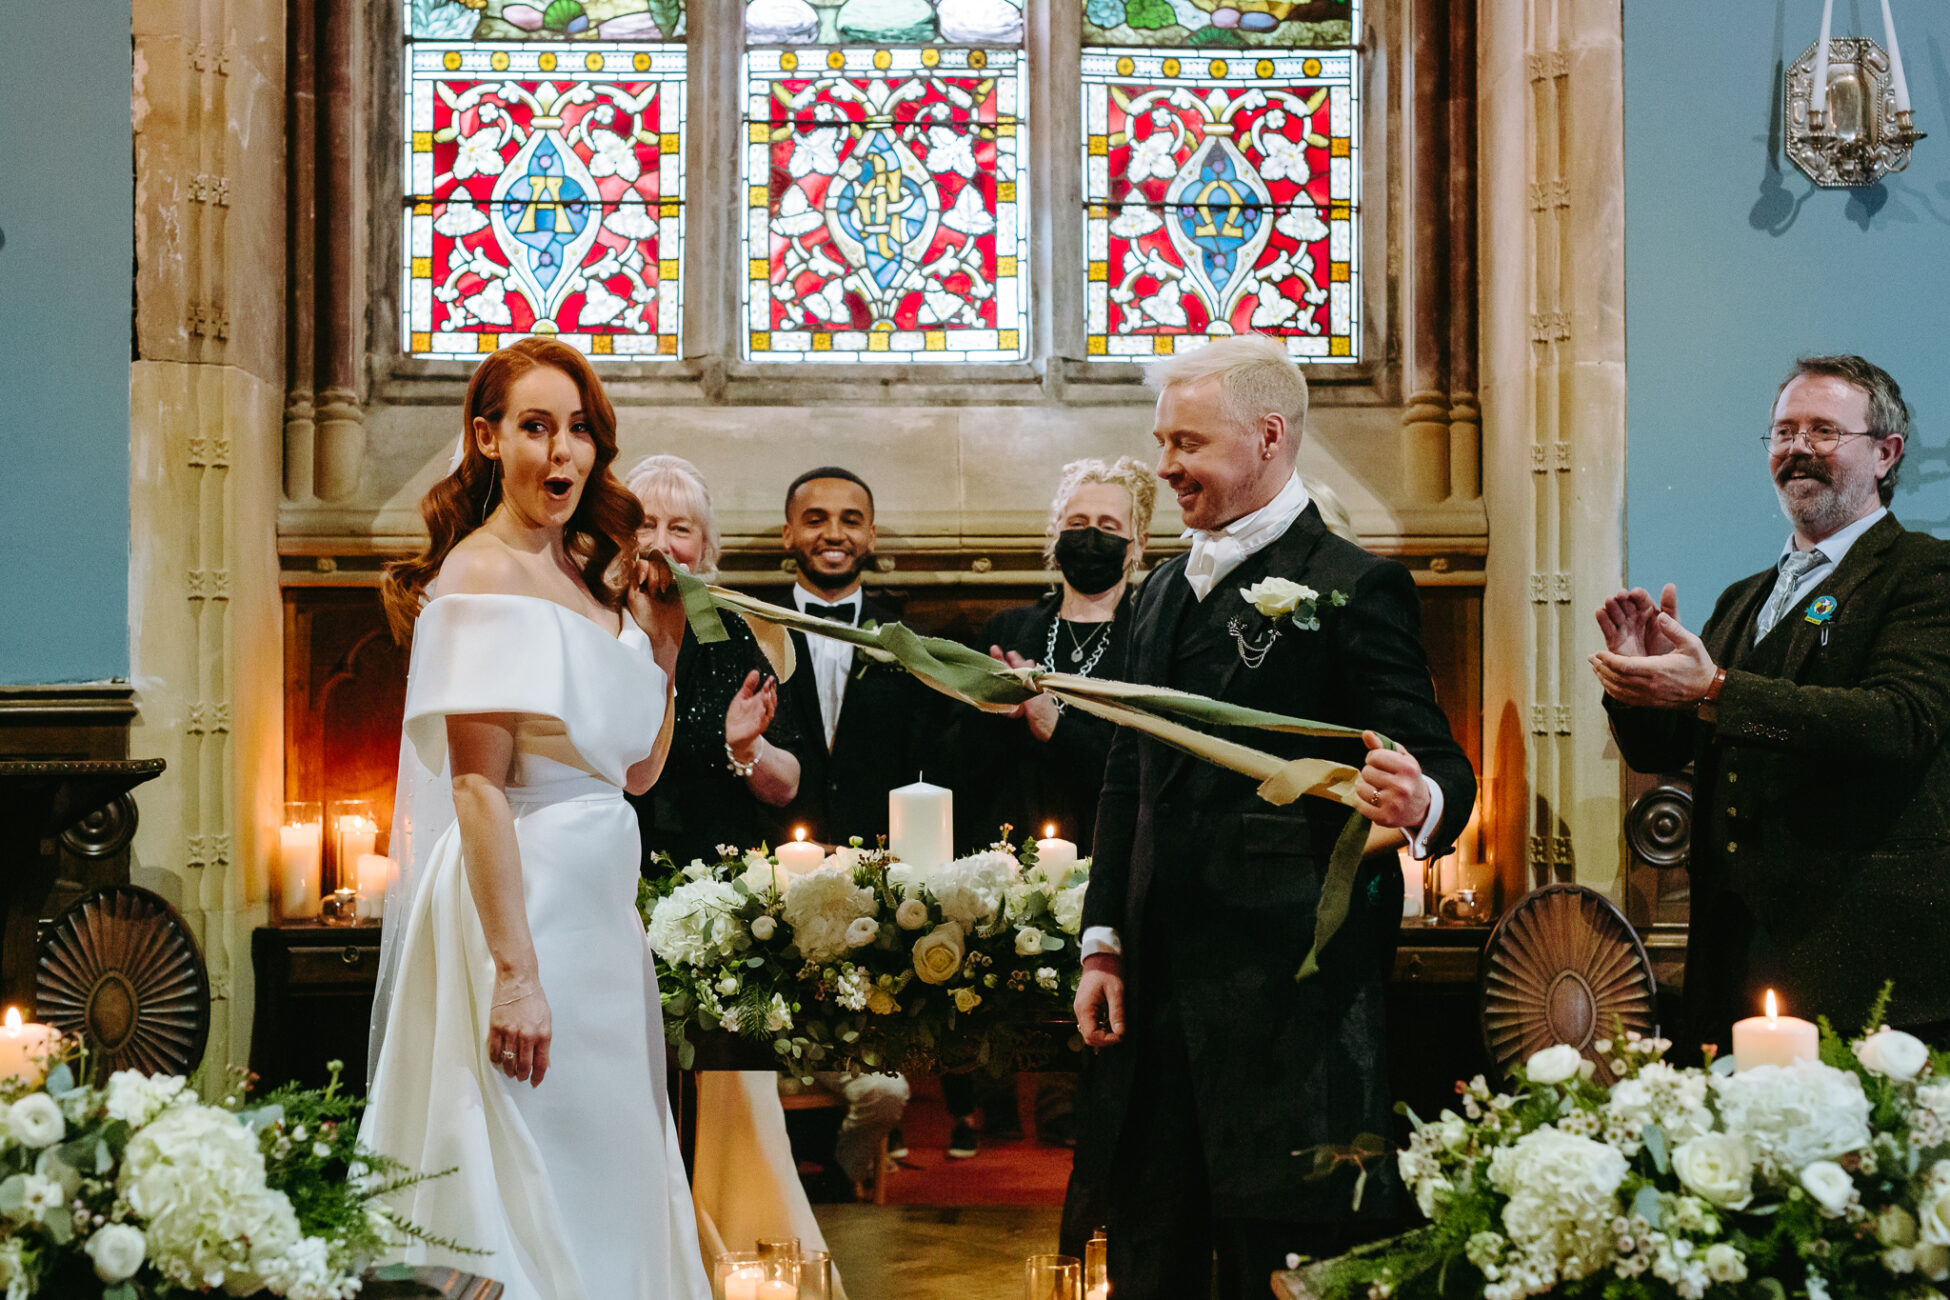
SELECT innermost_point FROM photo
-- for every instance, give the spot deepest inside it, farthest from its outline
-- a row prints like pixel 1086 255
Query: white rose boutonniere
pixel 1284 600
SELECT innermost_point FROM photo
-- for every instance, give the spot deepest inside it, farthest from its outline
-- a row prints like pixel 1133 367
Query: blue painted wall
pixel 1735 263
pixel 68 226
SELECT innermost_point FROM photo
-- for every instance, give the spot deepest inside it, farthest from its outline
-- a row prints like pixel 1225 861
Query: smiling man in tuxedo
pixel 1219 1073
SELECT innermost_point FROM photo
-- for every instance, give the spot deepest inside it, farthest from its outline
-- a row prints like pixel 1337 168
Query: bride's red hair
pixel 606 518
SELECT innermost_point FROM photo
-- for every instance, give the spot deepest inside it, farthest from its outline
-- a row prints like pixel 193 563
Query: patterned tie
pixel 1793 565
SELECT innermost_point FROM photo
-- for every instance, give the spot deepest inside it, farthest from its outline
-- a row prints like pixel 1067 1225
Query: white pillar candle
pixel 1774 1039
pixel 778 1290
pixel 1052 852
pixel 799 855
pixel 1818 95
pixel 301 850
pixel 357 834
pixel 375 873
pixel 1895 59
pixel 25 1047
pixel 921 824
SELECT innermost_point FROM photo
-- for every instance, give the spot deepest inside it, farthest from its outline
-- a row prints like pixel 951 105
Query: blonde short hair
pixel 1256 379
pixel 678 482
pixel 1127 472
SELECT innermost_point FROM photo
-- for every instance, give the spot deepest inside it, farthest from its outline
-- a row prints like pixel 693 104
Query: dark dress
pixel 698 804
pixel 1007 775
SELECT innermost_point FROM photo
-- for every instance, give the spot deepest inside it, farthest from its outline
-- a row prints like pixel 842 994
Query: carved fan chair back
pixel 120 969
pixel 1563 966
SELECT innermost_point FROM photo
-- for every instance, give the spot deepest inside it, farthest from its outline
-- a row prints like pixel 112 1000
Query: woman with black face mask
pixel 1043 766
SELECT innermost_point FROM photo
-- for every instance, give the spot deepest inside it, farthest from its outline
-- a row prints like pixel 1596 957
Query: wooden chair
pixel 121 969
pixel 820 1099
pixel 1562 966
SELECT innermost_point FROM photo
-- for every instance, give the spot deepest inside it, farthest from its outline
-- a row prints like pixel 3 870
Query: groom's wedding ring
pixel 1374 797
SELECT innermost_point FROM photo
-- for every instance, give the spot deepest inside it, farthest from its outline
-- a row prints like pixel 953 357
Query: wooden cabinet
pixel 314 1002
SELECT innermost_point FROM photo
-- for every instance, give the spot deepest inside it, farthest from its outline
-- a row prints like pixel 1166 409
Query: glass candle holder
pixel 815 1275
pixel 1052 1277
pixel 1096 1266
pixel 748 1275
pixel 355 833
pixel 769 1247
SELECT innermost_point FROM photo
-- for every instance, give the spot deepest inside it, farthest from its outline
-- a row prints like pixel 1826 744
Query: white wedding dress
pixel 575 1189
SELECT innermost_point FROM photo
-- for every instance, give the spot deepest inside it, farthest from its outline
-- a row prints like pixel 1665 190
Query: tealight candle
pixel 799 855
pixel 776 1290
pixel 25 1048
pixel 1054 852
pixel 357 836
pixel 742 1284
pixel 921 824
pixel 1774 1039
pixel 301 853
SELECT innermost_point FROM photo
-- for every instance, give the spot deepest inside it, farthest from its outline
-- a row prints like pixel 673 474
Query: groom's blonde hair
pixel 1256 379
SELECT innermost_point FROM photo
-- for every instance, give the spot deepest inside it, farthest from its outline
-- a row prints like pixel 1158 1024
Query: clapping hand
pixel 1040 710
pixel 750 714
pixel 1650 659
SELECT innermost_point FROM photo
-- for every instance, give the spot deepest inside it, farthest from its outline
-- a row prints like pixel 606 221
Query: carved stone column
pixel 207 392
pixel 1440 445
pixel 325 435
pixel 1554 411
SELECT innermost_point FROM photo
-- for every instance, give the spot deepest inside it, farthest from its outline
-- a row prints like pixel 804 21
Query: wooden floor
pixel 919 1252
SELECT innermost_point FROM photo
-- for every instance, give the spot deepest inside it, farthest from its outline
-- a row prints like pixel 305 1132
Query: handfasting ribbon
pixel 979 680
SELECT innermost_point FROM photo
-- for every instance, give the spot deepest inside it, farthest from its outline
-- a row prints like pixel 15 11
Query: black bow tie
pixel 838 613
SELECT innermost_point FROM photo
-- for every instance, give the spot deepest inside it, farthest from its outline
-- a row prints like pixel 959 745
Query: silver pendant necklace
pixel 1098 642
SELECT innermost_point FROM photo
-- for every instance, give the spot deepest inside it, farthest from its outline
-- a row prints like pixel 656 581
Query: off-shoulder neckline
pixel 616 636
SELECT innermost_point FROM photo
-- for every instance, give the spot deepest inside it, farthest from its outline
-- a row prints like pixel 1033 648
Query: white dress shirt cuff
pixel 1101 938
pixel 1418 842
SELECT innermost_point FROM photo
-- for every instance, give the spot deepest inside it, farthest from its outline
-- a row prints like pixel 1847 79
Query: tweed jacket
pixel 1821 846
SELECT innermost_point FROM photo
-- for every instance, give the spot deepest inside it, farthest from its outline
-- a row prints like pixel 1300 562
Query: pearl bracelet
pixel 743 769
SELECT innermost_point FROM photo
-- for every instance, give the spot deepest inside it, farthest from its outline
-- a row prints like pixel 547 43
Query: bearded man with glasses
pixel 1814 707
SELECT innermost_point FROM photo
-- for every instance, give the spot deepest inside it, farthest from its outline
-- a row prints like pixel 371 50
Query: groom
pixel 1219 1074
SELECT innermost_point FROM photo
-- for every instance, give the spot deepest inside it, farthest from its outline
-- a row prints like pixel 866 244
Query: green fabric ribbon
pixel 1160 712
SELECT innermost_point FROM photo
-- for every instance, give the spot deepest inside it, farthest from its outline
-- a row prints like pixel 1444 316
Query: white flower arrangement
pixel 139 1188
pixel 1284 600
pixel 1819 1179
pixel 867 962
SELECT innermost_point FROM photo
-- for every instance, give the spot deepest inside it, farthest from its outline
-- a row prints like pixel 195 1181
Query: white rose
pixel 1932 1262
pixel 938 953
pixel 863 931
pixel 1830 1185
pixel 1725 1264
pixel 763 928
pixel 1029 941
pixel 1275 597
pixel 1895 1226
pixel 1933 1207
pixel 118 1250
pixel 1716 1167
pixel 36 1120
pixel 967 999
pixel 1893 1054
pixel 912 914
pixel 1554 1064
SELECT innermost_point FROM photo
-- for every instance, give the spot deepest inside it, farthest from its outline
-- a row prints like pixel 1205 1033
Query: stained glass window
pixel 1221 196
pixel 885 188
pixel 1222 24
pixel 544 175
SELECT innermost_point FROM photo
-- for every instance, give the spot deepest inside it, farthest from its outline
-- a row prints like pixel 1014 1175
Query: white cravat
pixel 1218 551
pixel 832 661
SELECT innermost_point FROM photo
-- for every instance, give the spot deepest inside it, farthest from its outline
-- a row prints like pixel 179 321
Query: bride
pixel 517 1029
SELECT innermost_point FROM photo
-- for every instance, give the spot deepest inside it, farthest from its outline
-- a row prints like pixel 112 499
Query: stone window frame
pixel 711 370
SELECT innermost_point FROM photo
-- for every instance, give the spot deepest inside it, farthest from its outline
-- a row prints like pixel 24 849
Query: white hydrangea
pixel 1563 1192
pixel 1794 1115
pixel 1675 1100
pixel 195 1178
pixel 970 890
pixel 695 925
pixel 820 905
pixel 139 1098
pixel 1066 907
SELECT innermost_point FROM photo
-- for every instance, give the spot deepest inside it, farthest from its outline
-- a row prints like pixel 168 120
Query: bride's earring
pixel 494 470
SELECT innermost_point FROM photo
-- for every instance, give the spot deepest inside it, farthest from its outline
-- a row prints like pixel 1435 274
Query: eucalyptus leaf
pixel 686 1054
pixel 60 1082
pixel 1722 1065
pixel 120 1291
pixel 1654 1139
pixel 1052 943
pixel 1646 1205
pixel 59 1223
pixel 1772 1289
pixel 385 1273
pixel 13 1193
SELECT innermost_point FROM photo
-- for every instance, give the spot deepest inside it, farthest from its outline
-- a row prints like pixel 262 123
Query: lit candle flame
pixel 799 834
pixel 1773 1008
pixel 13 1022
pixel 1049 830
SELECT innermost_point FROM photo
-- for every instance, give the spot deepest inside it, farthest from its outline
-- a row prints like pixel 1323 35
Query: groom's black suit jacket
pixel 887 719
pixel 1821 843
pixel 1213 891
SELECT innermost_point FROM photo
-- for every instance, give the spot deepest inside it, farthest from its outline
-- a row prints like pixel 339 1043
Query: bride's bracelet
pixel 743 769
pixel 508 1002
